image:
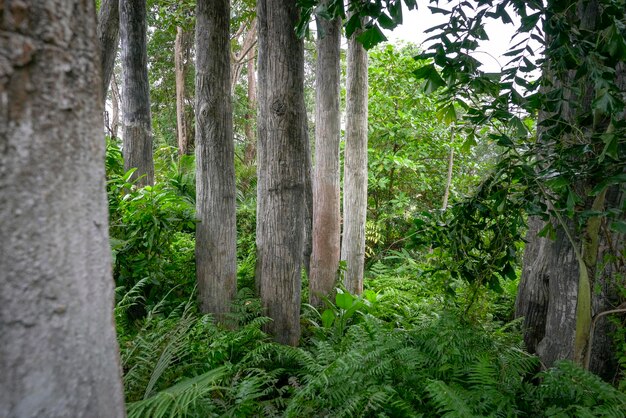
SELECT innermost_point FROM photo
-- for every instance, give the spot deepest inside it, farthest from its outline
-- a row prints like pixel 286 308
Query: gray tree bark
pixel 108 33
pixel 115 107
pixel 59 354
pixel 250 150
pixel 215 180
pixel 355 167
pixel 550 291
pixel 281 160
pixel 136 118
pixel 326 196
pixel 179 69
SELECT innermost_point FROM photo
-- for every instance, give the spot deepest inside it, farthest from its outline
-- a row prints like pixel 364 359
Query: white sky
pixel 489 53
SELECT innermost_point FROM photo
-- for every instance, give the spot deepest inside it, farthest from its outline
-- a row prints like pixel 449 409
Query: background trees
pixel 59 355
pixel 136 119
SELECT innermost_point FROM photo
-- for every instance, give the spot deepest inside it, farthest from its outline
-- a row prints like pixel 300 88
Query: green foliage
pixel 151 231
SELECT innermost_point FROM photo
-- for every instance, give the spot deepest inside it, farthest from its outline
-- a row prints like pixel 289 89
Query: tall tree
pixel 326 196
pixel 250 150
pixel 108 33
pixel 59 355
pixel 181 55
pixel 281 160
pixel 136 119
pixel 215 187
pixel 568 282
pixel 355 166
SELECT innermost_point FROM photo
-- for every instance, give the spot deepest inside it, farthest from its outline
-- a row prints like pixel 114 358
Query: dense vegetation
pixel 426 338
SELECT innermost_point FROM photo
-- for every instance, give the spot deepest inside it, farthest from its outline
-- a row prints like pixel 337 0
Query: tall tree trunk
pixel 108 33
pixel 355 167
pixel 215 152
pixel 59 354
pixel 326 196
pixel 282 151
pixel 136 119
pixel 250 151
pixel 568 281
pixel 115 107
pixel 179 69
pixel 446 193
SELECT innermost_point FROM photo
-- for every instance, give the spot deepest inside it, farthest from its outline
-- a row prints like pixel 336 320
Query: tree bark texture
pixel 446 192
pixel 136 119
pixel 550 294
pixel 355 167
pixel 115 108
pixel 250 150
pixel 59 354
pixel 108 33
pixel 281 160
pixel 179 70
pixel 215 180
pixel 326 196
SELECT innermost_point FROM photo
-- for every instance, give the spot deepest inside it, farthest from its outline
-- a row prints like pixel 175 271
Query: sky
pixel 489 53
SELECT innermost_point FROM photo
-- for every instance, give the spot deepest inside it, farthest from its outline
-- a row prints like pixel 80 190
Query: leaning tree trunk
pixel 108 33
pixel 59 355
pixel 215 149
pixel 282 151
pixel 355 167
pixel 568 281
pixel 136 119
pixel 326 196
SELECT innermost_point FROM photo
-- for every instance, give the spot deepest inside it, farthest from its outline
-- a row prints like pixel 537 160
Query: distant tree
pixel 326 193
pixel 59 355
pixel 215 179
pixel 182 48
pixel 281 161
pixel 355 166
pixel 136 119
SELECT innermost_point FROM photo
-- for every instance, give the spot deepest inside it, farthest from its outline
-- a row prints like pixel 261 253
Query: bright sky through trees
pixel 416 22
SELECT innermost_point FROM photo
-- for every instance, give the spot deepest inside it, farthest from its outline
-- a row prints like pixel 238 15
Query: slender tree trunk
pixel 179 69
pixel 282 150
pixel 115 107
pixel 250 151
pixel 136 119
pixel 355 169
pixel 108 33
pixel 59 354
pixel 326 196
pixel 215 149
pixel 446 193
pixel 570 280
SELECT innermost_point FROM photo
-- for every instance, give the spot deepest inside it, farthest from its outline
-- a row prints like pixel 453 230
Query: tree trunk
pixel 281 160
pixel 136 119
pixel 179 69
pixel 250 151
pixel 569 280
pixel 59 354
pixel 115 108
pixel 326 196
pixel 108 33
pixel 355 167
pixel 215 180
pixel 446 193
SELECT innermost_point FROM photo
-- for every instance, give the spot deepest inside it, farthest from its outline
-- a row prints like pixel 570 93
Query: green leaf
pixel 371 37
pixel 619 226
pixel 328 317
pixel 447 114
pixel 386 22
pixel 344 300
pixel 431 77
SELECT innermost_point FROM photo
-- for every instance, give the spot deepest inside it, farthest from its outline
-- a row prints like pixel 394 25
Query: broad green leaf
pixel 344 300
pixel 371 37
